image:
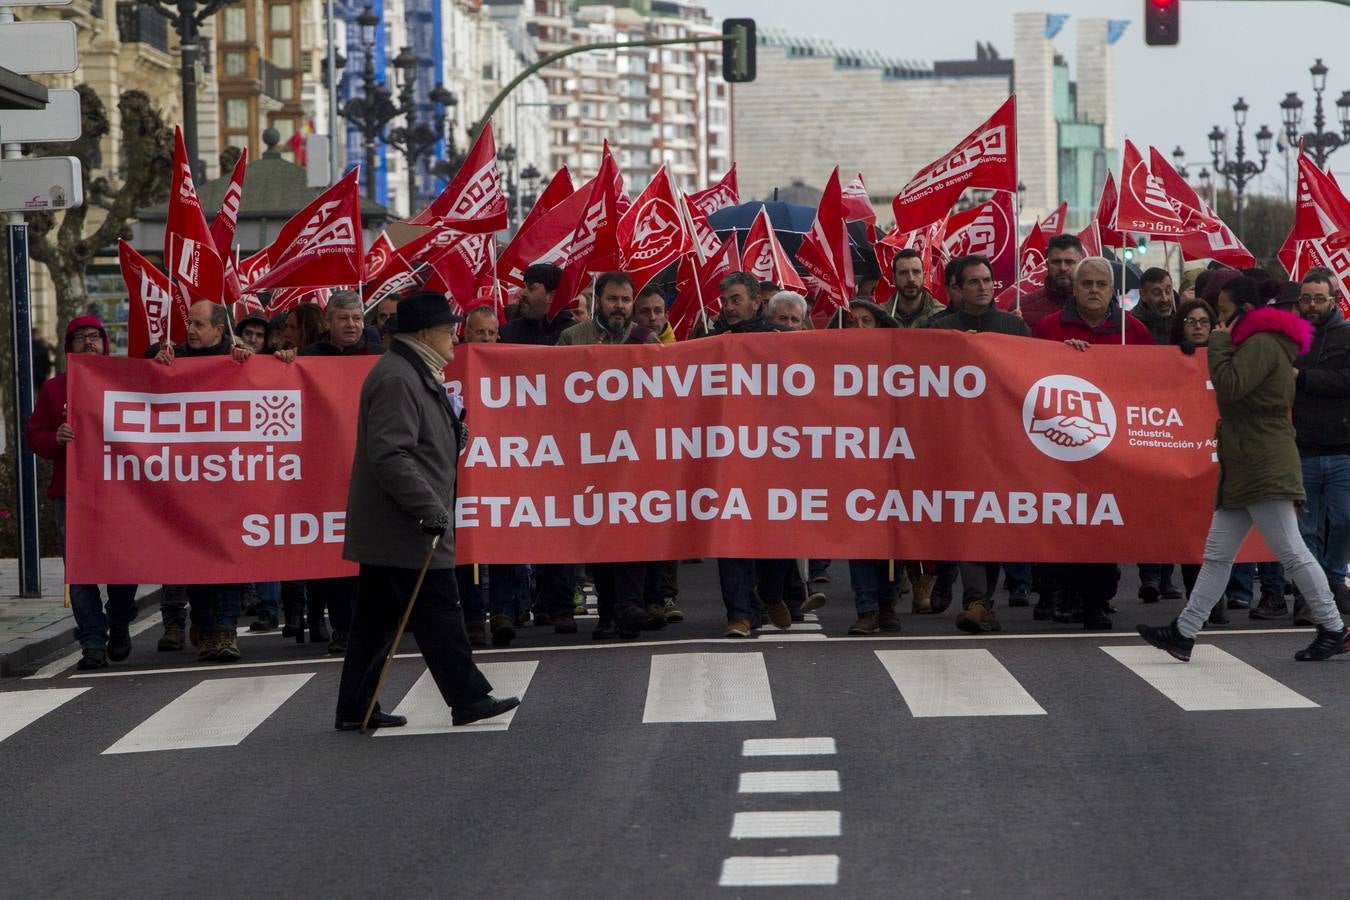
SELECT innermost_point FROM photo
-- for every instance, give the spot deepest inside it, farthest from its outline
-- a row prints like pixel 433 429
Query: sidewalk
pixel 31 629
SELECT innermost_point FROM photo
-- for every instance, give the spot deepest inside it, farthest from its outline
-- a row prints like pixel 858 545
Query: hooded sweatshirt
pixel 49 412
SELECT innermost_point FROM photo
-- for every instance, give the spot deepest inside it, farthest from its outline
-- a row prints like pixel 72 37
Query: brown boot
pixel 779 614
pixel 172 639
pixel 977 619
pixel 868 623
pixel 923 593
pixel 227 646
pixel 887 620
pixel 737 628
pixel 208 644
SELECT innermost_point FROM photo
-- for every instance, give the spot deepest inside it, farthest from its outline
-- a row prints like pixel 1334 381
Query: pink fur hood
pixel 1268 318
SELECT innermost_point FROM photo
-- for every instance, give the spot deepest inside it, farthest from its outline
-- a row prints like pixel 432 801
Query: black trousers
pixel 554 588
pixel 338 596
pixel 437 623
pixel 619 586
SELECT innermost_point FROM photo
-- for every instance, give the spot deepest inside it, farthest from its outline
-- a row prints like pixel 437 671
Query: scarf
pixel 434 361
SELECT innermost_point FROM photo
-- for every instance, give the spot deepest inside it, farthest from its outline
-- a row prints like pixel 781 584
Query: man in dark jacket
pixel 1322 425
pixel 400 499
pixel 974 310
pixel 533 326
pixel 1157 304
pixel 742 307
pixel 103 634
pixel 1063 253
pixel 215 607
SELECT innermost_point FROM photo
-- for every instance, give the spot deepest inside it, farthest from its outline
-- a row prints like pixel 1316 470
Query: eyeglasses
pixel 86 337
pixel 1193 321
pixel 1313 298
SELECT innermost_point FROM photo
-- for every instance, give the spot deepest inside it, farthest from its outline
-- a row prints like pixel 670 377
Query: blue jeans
pixel 1159 575
pixel 1325 521
pixel 1244 575
pixel 745 581
pixel 872 588
pixel 1017 577
pixel 92 619
pixel 215 607
pixel 269 597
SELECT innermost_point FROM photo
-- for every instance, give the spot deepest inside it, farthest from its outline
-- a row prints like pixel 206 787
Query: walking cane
pixel 398 635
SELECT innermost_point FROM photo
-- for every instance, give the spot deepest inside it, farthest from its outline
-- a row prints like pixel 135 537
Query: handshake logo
pixel 1068 418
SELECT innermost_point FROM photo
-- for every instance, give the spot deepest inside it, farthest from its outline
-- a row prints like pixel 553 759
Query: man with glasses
pixel 103 632
pixel 1322 427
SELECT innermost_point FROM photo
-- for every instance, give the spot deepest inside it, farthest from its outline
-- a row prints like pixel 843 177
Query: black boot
pixel 318 628
pixel 293 610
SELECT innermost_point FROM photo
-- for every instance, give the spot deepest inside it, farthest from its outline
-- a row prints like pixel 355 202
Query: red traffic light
pixel 1162 22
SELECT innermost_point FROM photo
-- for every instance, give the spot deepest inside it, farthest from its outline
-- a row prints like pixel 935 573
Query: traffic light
pixel 1162 22
pixel 738 50
pixel 1141 245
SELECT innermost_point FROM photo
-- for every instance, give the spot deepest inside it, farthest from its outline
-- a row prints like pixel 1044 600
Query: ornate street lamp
pixel 1319 143
pixel 1239 171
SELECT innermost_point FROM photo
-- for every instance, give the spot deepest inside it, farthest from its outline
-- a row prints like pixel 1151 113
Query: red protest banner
pixel 950 446
pixel 208 471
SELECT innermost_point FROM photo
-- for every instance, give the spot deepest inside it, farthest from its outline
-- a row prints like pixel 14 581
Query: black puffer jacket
pixel 1322 391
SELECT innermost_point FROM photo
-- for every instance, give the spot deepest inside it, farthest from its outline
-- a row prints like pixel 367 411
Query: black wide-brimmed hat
pixel 425 309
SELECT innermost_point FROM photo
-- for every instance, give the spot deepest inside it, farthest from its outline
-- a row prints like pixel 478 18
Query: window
pixel 234 25
pixel 236 113
pixel 279 17
pixel 280 52
pixel 236 63
pixel 286 88
pixel 286 128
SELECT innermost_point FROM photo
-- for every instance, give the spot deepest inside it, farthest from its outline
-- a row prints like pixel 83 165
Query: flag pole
pixel 1017 224
pixel 168 307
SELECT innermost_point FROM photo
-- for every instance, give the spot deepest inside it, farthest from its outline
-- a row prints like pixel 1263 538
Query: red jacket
pixel 1043 303
pixel 1068 326
pixel 49 412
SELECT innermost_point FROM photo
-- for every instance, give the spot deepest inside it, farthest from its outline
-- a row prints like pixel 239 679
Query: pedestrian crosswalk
pixel 705 688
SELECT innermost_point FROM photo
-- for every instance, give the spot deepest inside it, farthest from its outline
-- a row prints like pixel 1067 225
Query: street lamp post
pixel 1179 162
pixel 416 139
pixel 530 177
pixel 374 109
pixel 507 155
pixel 1239 171
pixel 187 16
pixel 1319 142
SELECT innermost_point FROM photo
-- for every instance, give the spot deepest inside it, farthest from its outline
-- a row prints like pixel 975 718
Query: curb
pixel 54 638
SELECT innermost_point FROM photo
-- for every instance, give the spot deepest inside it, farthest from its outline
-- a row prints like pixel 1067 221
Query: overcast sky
pixel 1164 95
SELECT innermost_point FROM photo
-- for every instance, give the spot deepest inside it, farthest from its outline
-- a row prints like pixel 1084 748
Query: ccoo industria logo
pixel 200 417
pixel 1068 418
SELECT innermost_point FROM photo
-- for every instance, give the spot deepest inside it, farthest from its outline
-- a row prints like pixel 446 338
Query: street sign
pixel 60 121
pixel 35 2
pixel 38 48
pixel 40 183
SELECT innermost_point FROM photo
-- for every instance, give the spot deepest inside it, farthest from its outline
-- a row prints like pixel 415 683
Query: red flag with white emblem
pixel 321 246
pixel 377 256
pixel 151 307
pixel 988 230
pixel 721 195
pixel 1105 216
pixel 1144 206
pixel 546 240
pixel 652 234
pixel 765 259
pixel 858 203
pixel 558 189
pixel 1053 224
pixel 825 250
pixel 194 268
pixel 223 225
pixel 1207 236
pixel 473 201
pixel 594 244
pixel 697 295
pixel 985 158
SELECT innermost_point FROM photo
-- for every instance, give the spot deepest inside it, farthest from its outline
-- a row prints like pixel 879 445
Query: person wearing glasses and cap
pixel 401 497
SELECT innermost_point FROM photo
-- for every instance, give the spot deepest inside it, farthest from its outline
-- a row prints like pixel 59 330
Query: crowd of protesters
pixel 1078 306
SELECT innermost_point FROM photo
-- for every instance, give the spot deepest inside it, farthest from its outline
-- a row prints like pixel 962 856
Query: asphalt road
pixel 1043 762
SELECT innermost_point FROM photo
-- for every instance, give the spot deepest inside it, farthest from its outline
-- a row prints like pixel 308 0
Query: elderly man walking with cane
pixel 399 510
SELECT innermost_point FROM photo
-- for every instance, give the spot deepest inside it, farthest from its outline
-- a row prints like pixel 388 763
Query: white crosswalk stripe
pixel 427 712
pixel 19 709
pixel 708 687
pixel 220 712
pixel 1212 680
pixel 957 683
pixel 779 871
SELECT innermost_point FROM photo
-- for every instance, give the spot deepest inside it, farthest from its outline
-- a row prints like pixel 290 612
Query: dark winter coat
pixel 994 321
pixel 1322 391
pixel 539 332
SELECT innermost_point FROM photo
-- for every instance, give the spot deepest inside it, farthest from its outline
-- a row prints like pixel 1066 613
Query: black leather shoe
pixel 631 622
pixel 604 630
pixel 486 708
pixel 93 658
pixel 265 622
pixel 119 642
pixel 378 719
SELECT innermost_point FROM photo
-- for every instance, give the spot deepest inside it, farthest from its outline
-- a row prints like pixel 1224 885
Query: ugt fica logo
pixel 1068 418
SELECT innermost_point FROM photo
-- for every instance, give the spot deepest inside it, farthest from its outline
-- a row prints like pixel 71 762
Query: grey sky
pixel 1164 96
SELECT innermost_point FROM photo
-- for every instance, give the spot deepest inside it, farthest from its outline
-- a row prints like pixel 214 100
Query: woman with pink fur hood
pixel 1251 365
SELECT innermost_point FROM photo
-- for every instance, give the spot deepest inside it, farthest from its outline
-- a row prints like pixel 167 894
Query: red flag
pixel 458 270
pixel 988 230
pixel 222 226
pixel 696 285
pixel 1105 217
pixel 652 234
pixel 321 245
pixel 252 268
pixel 377 256
pixel 287 299
pixel 825 250
pixel 1332 253
pixel 473 201
pixel 1321 209
pixel 594 244
pixel 1091 239
pixel 705 240
pixel 765 259
pixel 195 271
pixel 151 307
pixel 858 203
pixel 985 158
pixel 547 240
pixel 1144 206
pixel 1207 236
pixel 1031 255
pixel 1054 223
pixel 721 195
pixel 558 189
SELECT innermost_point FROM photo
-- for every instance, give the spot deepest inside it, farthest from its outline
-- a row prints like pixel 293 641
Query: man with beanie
pixel 401 498
pixel 103 633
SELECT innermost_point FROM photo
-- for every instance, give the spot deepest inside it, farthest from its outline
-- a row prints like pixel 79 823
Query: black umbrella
pixel 789 222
